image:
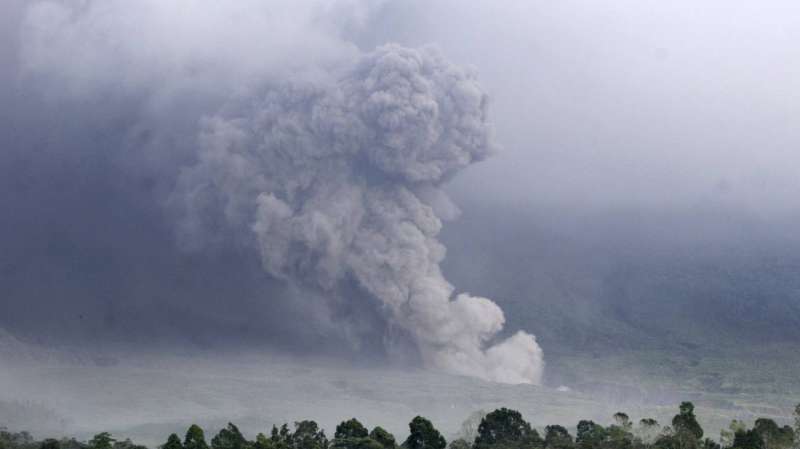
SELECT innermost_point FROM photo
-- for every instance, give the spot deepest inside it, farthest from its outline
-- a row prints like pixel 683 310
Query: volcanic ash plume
pixel 338 183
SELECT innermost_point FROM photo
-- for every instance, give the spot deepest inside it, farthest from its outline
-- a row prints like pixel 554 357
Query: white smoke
pixel 338 182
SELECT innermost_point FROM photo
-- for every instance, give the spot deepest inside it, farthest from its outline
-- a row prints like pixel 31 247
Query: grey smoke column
pixel 338 182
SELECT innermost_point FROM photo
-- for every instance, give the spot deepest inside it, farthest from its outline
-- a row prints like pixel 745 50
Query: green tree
pixel 774 437
pixel 667 440
pixel 726 436
pixel 647 432
pixel 686 432
pixel 685 421
pixel 195 438
pixel 469 428
pixel 422 435
pixel 308 435
pixel 768 430
pixel 229 438
pixel 505 428
pixel 71 443
pixel 102 440
pixel 590 435
pixel 557 437
pixel 383 437
pixel 459 443
pixel 797 426
pixel 281 438
pixel 22 440
pixel 127 444
pixel 262 442
pixel 619 434
pixel 173 442
pixel 623 421
pixel 50 444
pixel 747 439
pixel 352 428
pixel 351 434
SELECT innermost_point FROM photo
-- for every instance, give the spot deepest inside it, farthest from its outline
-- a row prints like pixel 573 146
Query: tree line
pixel 501 429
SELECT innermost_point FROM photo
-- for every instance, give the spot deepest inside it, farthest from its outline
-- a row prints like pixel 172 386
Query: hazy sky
pixel 641 102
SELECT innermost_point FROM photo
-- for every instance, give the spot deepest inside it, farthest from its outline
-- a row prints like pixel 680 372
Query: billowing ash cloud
pixel 337 184
pixel 131 120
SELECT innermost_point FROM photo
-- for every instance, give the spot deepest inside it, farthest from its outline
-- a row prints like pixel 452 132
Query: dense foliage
pixel 500 429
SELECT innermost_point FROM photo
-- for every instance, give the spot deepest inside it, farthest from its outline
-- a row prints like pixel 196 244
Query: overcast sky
pixel 642 102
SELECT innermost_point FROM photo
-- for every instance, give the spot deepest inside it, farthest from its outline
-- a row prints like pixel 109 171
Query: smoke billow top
pixel 339 183
pixel 258 125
